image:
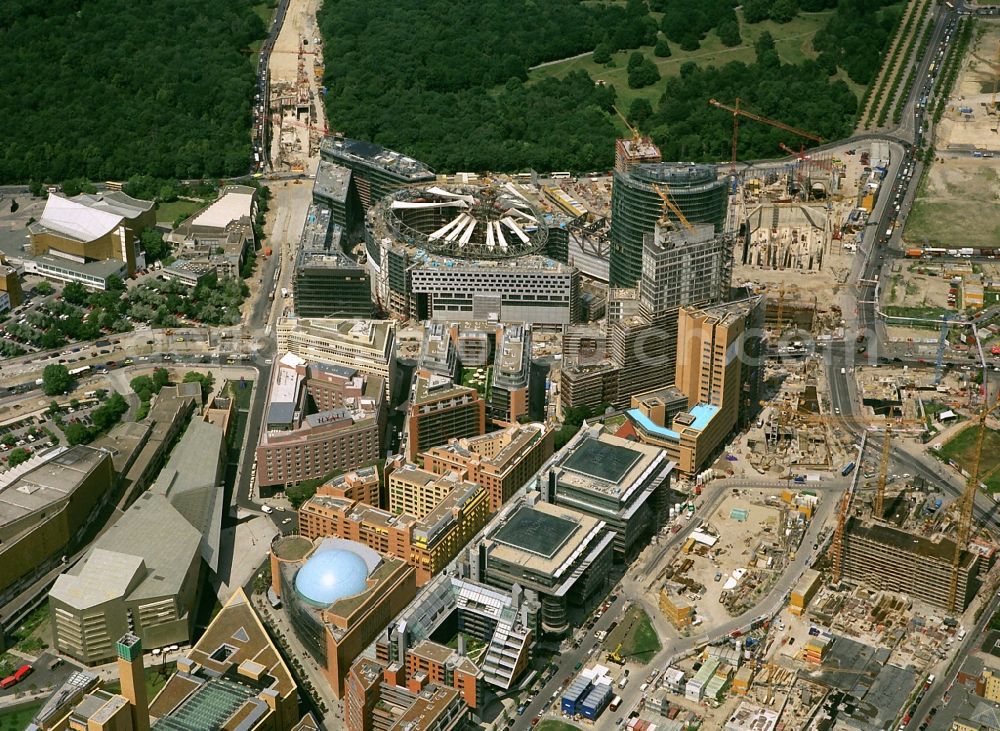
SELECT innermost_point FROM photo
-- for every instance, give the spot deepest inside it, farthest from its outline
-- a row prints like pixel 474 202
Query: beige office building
pixel 368 346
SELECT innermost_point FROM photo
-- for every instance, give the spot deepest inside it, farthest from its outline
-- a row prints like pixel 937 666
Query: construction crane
pixel 636 137
pixel 738 112
pixel 883 474
pixel 844 509
pixel 803 157
pixel 664 193
pixel 942 341
pixel 966 502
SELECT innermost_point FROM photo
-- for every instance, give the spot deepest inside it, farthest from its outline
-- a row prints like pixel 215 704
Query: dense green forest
pixel 104 89
pixel 687 128
pixel 445 81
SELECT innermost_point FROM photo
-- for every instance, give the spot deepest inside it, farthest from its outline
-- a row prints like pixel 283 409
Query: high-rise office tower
pixel 636 206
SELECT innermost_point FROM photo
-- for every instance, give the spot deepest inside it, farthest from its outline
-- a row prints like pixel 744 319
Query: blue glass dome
pixel 330 575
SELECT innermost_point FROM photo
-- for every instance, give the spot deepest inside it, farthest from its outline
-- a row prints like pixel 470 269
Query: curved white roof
pixel 77 220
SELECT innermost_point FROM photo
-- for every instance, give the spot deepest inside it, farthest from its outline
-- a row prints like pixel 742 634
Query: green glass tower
pixel 697 190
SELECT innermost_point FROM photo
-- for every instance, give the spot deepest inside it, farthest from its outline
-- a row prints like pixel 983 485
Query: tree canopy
pixel 456 95
pixel 56 379
pixel 103 89
pixel 686 127
pixel 443 81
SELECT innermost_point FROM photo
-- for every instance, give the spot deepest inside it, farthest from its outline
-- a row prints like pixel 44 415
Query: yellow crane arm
pixel 673 208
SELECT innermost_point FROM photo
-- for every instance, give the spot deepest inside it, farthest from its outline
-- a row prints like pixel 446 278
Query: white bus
pixel 79 371
pixel 560 176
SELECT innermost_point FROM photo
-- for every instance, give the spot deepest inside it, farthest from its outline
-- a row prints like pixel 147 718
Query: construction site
pixel 734 557
pixel 296 91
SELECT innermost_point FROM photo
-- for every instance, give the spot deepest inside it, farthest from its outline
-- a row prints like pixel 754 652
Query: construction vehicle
pixel 615 655
pixel 738 112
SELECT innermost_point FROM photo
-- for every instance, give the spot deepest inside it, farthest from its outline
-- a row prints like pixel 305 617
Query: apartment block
pixel 441 410
pixel 378 698
pixel 427 544
pixel 417 492
pixel 501 461
pixel 367 346
pixel 511 372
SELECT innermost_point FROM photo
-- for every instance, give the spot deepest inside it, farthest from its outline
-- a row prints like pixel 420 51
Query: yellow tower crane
pixel 966 503
pixel 844 510
pixel 664 192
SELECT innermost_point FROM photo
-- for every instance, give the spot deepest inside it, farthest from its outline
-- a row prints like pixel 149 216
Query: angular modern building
pixel 375 171
pixel 589 384
pixel 624 484
pixel 361 486
pixel 368 346
pixel 416 491
pixel 221 235
pixel 441 410
pixel 376 699
pixel 438 353
pixel 466 252
pixel 636 206
pixel 233 677
pixel 88 228
pixel 562 555
pixel 332 190
pixel 338 595
pixel 328 282
pixel 505 623
pixel 717 384
pixel 143 575
pixel 501 461
pixel 680 268
pixel 46 511
pixel 320 419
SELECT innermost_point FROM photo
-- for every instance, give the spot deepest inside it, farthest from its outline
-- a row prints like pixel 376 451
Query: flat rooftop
pixel 372 155
pixel 370 334
pixel 235 203
pixel 48 483
pixel 436 388
pixel 101 269
pixel 332 181
pixel 532 530
pixel 602 461
pixel 943 550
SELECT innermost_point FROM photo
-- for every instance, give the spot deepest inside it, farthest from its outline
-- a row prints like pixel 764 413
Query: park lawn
pixel 18 717
pixel 551 724
pixel 484 389
pixel 168 212
pixel 793 41
pixel 961 450
pixel 637 637
pixel 927 313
